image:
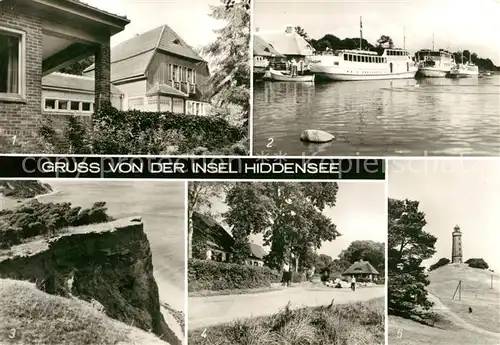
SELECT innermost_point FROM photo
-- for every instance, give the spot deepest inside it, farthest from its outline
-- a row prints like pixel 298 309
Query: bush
pixel 441 262
pixel 135 132
pixel 477 263
pixel 36 218
pixel 216 276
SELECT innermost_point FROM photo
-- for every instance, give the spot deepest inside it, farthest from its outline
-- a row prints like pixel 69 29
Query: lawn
pixel 360 323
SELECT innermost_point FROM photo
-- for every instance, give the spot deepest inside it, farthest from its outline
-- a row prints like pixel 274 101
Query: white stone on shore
pixel 316 136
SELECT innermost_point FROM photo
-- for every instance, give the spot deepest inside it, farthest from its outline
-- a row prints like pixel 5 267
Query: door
pixel 390 66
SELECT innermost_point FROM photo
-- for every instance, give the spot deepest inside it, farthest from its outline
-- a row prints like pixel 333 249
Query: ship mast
pixel 360 33
pixel 433 41
pixel 404 37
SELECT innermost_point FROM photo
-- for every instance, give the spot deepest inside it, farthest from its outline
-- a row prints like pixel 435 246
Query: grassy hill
pixel 476 292
pixel 457 326
pixel 30 316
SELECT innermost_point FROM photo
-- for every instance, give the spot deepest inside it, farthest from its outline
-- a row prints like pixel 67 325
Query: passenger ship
pixel 364 65
pixel 358 64
pixel 434 63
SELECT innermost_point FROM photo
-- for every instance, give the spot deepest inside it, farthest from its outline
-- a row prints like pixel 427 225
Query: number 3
pixel 270 143
pixel 12 333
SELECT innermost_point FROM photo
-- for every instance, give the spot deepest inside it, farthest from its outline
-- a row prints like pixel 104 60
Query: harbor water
pixel 425 117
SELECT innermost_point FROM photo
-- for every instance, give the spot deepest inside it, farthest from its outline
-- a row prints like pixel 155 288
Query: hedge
pixel 115 131
pixel 208 275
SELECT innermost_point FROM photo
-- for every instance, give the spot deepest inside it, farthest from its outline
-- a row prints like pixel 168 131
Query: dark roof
pixel 73 83
pixel 360 267
pixel 131 58
pixel 164 89
pixel 206 228
pixel 257 251
pixel 262 48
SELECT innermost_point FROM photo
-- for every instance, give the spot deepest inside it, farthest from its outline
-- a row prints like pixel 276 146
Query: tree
pixel 302 33
pixel 441 262
pixel 477 263
pixel 371 251
pixel 287 214
pixel 408 245
pixel 200 198
pixel 385 42
pixel 229 85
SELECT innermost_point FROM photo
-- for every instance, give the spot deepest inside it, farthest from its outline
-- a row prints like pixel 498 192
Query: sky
pixel 454 192
pixel 456 24
pixel 360 214
pixel 190 19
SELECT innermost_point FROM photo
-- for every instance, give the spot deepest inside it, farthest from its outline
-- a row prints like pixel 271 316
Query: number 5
pixel 270 143
pixel 400 333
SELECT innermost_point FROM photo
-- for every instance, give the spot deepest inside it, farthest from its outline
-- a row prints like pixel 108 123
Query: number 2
pixel 270 143
pixel 204 333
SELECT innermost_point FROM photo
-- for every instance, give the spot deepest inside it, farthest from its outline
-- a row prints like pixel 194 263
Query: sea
pixel 412 117
pixel 161 206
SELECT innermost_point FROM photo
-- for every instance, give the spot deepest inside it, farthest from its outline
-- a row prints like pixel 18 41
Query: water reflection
pixel 389 117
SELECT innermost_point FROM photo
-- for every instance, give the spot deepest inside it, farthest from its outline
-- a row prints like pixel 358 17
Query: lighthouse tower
pixel 456 248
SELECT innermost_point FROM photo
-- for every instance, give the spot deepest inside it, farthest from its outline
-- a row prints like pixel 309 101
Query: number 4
pixel 270 143
pixel 204 333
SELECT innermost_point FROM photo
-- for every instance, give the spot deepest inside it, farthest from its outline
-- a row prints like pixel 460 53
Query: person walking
pixel 353 283
pixel 294 67
pixel 286 274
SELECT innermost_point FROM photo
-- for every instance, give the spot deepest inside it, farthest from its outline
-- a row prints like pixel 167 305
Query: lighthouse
pixel 456 248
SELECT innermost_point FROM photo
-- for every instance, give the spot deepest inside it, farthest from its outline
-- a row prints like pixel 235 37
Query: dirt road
pixel 212 310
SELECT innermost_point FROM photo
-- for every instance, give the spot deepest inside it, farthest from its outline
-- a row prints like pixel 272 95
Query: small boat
pixel 279 76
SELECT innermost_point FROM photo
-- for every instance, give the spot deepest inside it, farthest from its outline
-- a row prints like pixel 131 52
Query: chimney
pixel 289 29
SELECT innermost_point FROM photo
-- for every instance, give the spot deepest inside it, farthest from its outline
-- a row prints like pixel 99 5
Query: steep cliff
pixel 23 189
pixel 108 265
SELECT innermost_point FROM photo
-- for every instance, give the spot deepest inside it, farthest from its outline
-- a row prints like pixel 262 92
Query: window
pixel 190 75
pixel 345 57
pixel 50 104
pixel 178 106
pixel 62 105
pixel 350 57
pixel 165 104
pixel 152 103
pixel 66 106
pixel 11 62
pixel 171 69
pixel 86 106
pixel 197 109
pixel 174 72
pixel 185 75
